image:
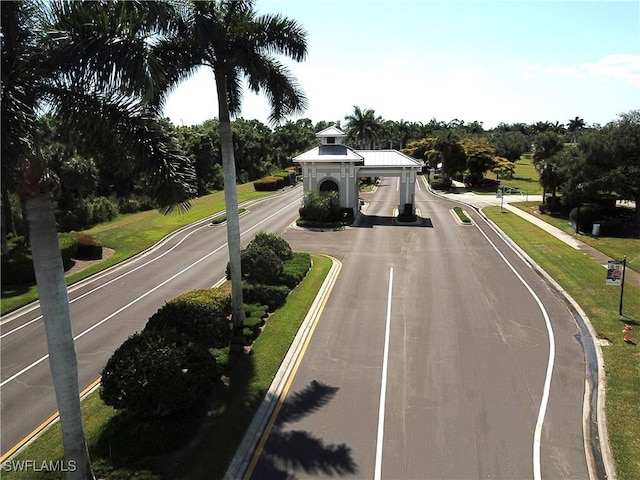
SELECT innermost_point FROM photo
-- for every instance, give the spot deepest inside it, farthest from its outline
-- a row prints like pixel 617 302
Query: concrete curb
pixel 254 435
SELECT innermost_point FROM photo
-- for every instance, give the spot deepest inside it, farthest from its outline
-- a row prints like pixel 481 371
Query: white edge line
pixel 550 363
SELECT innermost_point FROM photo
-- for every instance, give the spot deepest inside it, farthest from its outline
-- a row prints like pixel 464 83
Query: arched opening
pixel 328 185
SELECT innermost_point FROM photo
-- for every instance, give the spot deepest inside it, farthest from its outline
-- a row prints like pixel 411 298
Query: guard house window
pixel 331 140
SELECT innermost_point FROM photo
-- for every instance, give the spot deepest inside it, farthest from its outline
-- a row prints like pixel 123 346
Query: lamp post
pixel 578 210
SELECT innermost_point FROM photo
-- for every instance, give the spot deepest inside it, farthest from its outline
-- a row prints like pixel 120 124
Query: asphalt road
pixel 110 307
pixel 440 354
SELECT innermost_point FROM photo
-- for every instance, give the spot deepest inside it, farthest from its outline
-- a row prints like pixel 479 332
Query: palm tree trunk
pixel 54 304
pixel 231 201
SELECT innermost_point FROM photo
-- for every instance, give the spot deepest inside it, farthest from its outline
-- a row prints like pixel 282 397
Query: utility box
pixel 595 231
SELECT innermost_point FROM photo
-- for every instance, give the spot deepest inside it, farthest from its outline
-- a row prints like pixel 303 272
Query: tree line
pixel 91 191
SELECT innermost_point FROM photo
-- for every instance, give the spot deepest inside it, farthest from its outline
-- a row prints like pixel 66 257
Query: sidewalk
pixel 480 201
pixel 631 276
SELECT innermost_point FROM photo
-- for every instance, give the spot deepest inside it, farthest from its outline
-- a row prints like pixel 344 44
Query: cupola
pixel 331 136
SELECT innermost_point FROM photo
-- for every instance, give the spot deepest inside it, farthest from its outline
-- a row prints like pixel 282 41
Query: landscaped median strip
pixel 256 436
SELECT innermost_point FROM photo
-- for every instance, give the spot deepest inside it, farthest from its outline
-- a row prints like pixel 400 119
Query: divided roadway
pixel 107 308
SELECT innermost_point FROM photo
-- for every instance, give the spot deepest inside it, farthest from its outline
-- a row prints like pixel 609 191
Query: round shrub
pixel 150 375
pixel 192 320
pixel 275 243
pixel 260 265
pixel 589 213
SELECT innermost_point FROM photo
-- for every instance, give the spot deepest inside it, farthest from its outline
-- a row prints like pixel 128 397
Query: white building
pixel 333 166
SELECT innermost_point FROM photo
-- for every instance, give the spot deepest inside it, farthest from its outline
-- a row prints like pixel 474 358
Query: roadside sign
pixel 614 272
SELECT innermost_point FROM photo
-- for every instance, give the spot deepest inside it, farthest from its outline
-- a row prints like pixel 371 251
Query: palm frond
pixel 277 34
pixel 120 128
pixel 274 79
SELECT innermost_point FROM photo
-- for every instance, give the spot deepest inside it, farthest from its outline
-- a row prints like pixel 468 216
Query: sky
pixel 488 61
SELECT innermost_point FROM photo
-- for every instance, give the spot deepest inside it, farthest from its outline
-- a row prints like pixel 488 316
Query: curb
pixel 255 434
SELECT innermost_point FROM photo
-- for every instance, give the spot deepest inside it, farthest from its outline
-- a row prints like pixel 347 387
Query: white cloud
pixel 617 67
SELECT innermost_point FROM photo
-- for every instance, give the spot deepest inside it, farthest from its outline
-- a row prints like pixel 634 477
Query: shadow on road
pixel 289 452
pixel 370 221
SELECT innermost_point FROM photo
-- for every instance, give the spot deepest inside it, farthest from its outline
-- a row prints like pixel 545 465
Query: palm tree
pixel 91 65
pixel 230 38
pixel 575 126
pixel 364 127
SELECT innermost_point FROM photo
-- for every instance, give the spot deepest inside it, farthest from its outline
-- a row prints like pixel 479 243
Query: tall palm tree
pixel 230 38
pixel 91 65
pixel 364 127
pixel 575 126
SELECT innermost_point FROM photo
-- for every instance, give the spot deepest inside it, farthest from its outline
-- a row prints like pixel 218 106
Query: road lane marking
pixel 120 310
pixel 550 363
pixel 383 386
pixel 44 425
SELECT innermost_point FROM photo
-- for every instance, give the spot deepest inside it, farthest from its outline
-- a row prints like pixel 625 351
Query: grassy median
pixel 584 280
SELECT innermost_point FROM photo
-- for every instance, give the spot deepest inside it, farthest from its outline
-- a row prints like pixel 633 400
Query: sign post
pixel 615 276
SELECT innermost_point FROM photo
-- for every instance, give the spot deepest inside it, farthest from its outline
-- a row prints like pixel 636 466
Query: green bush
pixel 68 247
pixel 269 184
pixel 294 270
pixel 275 243
pixel 151 375
pixel 89 247
pixel 589 213
pixel 101 209
pixel 320 207
pixel 260 264
pixel 288 177
pixel 441 183
pixel 273 296
pixel 187 318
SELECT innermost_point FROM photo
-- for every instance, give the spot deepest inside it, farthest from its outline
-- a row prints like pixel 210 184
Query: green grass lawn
pixel 220 440
pixel 614 247
pixel 584 280
pixel 525 179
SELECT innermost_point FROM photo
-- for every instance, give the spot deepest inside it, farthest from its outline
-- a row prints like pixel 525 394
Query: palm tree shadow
pixel 290 451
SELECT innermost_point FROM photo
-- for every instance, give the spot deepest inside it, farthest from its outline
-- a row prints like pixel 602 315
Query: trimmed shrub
pixel 152 375
pixel 192 319
pixel 260 264
pixel 441 183
pixel 269 184
pixel 273 296
pixel 273 242
pixel 294 270
pixel 68 247
pixel 89 247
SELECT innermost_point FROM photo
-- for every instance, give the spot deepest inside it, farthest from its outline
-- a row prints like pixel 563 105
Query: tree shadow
pixel 296 450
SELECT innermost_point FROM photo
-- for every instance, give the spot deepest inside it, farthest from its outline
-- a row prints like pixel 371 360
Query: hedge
pixel 269 184
pixel 273 296
pixel 294 270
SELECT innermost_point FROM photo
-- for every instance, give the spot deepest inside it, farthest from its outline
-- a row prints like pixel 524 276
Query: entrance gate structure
pixel 333 166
